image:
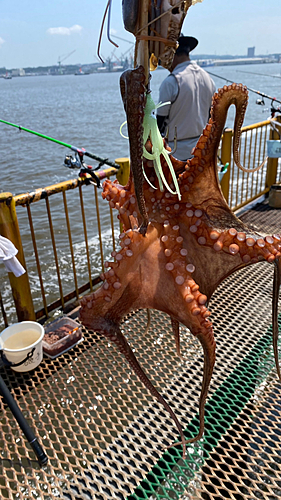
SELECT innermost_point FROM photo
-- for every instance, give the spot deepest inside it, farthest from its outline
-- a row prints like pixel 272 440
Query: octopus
pixel 189 246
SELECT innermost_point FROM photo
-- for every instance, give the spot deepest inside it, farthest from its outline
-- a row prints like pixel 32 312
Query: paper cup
pixel 27 333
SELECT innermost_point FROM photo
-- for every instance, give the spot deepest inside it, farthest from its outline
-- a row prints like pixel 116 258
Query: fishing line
pixel 260 74
pixel 252 90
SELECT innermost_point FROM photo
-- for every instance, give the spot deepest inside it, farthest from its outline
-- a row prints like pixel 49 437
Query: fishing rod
pixel 78 161
pixel 260 74
pixel 273 99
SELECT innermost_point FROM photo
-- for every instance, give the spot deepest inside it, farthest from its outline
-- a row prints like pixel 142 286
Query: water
pixel 85 112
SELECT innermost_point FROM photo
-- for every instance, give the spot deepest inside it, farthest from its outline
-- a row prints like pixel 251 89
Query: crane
pixel 61 58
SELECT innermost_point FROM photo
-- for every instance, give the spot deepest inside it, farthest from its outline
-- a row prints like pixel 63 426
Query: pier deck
pixel 104 434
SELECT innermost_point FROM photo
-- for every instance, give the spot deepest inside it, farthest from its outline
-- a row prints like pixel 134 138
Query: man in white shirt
pixel 189 89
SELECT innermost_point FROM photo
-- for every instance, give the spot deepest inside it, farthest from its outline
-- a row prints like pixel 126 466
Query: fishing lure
pixel 151 131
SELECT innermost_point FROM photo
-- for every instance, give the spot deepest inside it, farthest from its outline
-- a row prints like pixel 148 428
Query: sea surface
pixel 84 111
pixel 87 111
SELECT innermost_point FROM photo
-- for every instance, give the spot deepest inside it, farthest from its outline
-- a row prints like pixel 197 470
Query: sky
pixel 35 33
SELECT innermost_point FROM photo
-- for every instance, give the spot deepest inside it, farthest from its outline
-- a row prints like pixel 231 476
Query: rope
pixel 157 39
pixel 159 17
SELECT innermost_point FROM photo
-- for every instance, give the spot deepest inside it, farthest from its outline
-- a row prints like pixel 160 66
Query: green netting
pixel 170 477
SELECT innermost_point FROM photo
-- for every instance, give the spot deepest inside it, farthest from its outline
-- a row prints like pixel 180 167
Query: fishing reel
pixel 72 161
pixel 77 162
pixel 260 102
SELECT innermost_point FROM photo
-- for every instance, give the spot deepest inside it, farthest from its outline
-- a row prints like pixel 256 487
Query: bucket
pixel 273 149
pixel 274 197
pixel 22 345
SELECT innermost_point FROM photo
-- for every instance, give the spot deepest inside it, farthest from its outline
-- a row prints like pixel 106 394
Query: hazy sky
pixel 34 33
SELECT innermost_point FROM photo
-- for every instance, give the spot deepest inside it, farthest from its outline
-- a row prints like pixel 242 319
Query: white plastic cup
pixel 18 355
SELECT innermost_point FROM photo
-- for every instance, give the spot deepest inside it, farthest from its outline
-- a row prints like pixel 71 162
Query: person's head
pixel 186 45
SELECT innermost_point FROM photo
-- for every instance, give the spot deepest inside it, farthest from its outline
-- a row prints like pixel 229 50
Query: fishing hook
pixel 175 143
pixel 175 140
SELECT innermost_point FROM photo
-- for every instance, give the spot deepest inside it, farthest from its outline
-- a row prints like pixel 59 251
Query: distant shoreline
pixel 114 67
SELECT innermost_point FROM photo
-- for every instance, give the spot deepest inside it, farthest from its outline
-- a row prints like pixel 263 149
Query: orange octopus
pixel 188 248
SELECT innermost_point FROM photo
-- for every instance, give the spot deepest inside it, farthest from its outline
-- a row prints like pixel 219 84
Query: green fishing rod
pixel 79 151
pixel 273 99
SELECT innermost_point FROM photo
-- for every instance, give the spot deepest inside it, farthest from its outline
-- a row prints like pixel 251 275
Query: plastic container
pixel 60 336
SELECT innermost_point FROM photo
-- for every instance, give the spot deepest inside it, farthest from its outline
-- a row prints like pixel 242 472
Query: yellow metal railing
pixel 64 232
pixel 240 188
pixel 56 230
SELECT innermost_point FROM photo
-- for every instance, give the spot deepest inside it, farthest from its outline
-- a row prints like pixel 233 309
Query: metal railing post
pixel 272 163
pixel 226 158
pixel 124 170
pixel 9 228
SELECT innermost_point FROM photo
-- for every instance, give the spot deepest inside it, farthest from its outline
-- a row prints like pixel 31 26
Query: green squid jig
pixel 151 131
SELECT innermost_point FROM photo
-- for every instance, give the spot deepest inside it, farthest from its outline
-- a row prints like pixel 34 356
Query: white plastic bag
pixel 8 253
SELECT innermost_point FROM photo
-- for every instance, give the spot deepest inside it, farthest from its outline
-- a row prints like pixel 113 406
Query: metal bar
pixel 70 242
pixel 28 432
pixel 124 171
pixel 3 312
pixel 237 184
pixel 243 173
pixel 9 228
pixel 226 158
pixel 85 236
pixel 237 207
pixel 42 193
pixel 54 250
pixel 68 297
pixel 99 227
pixel 37 259
pixel 255 125
pixel 260 159
pixel 254 158
pixel 112 228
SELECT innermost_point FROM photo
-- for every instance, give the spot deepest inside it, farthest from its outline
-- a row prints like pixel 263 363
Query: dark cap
pixel 186 44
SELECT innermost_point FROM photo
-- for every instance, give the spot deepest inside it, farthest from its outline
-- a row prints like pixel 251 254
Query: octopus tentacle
pixel 133 95
pixel 208 345
pixel 113 333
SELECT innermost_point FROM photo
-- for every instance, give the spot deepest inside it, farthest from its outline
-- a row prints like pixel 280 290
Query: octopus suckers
pixel 250 242
pixel 117 285
pixel 241 236
pixel 179 280
pixel 202 240
pixel 170 266
pixel 233 249
pixel 190 268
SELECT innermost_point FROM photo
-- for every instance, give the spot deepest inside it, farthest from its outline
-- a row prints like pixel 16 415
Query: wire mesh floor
pixel 104 434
